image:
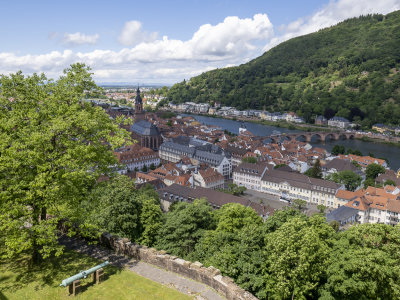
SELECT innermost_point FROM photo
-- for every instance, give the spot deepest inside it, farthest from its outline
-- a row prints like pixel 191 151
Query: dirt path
pixel 173 280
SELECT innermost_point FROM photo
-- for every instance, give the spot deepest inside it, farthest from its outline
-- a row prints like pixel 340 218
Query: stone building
pixel 146 134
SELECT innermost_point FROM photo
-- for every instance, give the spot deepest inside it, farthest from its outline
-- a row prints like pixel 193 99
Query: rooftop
pixel 144 127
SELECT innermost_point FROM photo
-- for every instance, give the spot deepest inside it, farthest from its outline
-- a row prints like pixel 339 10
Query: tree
pixel 235 246
pixel 321 208
pixel 373 170
pixel 239 255
pixel 363 262
pixel 297 255
pixel 390 182
pixel 150 220
pixel 335 225
pixel 250 159
pixel 234 189
pixel 115 207
pixel 299 204
pixel 356 164
pixel 144 169
pixel 350 179
pixel 315 171
pixel 233 216
pixel 354 152
pixel 184 225
pixel 338 149
pixel 279 166
pixel 369 182
pixel 53 148
pixel 152 166
pixel 280 217
pixel 118 207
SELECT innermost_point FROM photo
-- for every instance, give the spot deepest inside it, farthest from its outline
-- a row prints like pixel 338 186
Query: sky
pixel 158 42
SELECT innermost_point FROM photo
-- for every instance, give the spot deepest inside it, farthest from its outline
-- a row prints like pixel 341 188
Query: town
pixel 185 160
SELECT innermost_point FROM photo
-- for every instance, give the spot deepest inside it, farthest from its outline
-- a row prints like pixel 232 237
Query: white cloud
pixel 331 14
pixel 231 37
pixel 132 34
pixel 76 39
pixel 162 60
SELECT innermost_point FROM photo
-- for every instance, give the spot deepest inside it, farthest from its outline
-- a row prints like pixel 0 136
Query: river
pixel 392 153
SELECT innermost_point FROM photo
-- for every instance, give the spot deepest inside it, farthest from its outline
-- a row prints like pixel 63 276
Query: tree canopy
pixel 315 171
pixel 53 148
pixel 350 179
pixel 118 207
pixel 184 225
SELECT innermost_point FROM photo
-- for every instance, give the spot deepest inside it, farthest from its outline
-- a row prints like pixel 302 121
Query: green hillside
pixel 351 70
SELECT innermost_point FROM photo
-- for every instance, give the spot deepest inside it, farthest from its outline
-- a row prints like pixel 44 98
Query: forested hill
pixel 350 70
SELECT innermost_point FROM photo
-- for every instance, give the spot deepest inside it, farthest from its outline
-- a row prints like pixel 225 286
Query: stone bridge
pixel 307 136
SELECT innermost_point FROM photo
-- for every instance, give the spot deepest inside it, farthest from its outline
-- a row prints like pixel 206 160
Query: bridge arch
pixel 330 137
pixel 301 137
pixel 317 135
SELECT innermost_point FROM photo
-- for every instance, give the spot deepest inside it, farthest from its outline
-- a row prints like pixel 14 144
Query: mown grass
pixel 18 280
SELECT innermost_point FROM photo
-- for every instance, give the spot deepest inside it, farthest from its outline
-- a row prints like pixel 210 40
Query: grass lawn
pixel 18 281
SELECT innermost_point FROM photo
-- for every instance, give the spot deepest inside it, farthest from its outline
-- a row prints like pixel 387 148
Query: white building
pixel 249 175
pixel 339 122
pixel 208 178
pixel 291 186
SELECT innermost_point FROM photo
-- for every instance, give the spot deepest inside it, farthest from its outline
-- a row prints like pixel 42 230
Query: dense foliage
pixel 372 171
pixel 349 70
pixel 289 256
pixel 53 147
pixel 315 171
pixel 350 179
pixel 118 207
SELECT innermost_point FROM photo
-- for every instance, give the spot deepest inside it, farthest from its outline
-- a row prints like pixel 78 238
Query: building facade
pixel 136 157
pixel 339 122
pixel 249 175
pixel 291 186
pixel 208 178
pixel 198 150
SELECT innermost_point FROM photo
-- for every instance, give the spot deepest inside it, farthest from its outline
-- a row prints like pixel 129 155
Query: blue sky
pixel 158 41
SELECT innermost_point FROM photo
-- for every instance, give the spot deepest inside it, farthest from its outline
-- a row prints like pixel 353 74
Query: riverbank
pixel 294 126
pixel 379 141
pixel 279 124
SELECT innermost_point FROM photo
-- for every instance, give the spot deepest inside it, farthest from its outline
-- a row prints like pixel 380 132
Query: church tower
pixel 138 102
pixel 139 113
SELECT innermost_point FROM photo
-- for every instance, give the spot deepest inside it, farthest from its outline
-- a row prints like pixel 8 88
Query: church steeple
pixel 138 103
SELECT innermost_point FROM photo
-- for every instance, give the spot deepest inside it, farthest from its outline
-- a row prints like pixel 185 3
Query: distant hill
pixel 351 70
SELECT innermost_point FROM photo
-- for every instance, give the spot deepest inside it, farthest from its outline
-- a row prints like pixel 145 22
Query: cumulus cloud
pixel 76 39
pixel 132 34
pixel 231 37
pixel 331 14
pixel 161 60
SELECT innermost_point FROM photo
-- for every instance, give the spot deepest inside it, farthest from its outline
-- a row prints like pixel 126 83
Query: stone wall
pixel 196 271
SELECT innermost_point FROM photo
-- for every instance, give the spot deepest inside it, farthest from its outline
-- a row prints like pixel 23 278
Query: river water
pixel 392 153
